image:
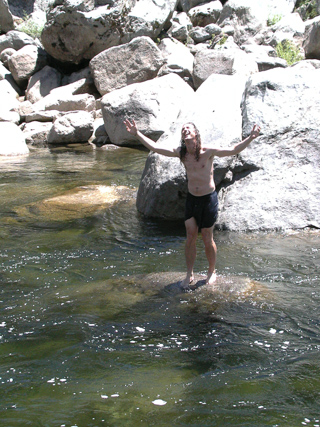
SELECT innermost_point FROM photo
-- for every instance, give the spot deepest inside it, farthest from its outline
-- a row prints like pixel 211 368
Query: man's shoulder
pixel 210 151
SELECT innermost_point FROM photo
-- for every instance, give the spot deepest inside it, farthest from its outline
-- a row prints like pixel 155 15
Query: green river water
pixel 85 342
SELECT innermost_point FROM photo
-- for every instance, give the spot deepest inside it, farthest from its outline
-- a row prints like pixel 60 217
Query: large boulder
pixel 163 188
pixel 6 19
pixel 215 110
pixel 71 127
pixel 77 31
pixel 153 104
pixel 273 184
pixel 221 61
pixel 283 192
pixel 120 66
pixel 12 142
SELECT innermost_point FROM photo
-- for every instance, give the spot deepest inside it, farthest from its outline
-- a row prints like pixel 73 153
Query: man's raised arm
pixel 148 143
pixel 238 147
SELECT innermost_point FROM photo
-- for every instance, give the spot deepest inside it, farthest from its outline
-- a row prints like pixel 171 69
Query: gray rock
pixel 134 62
pixel 42 116
pixel 199 34
pixel 153 104
pixel 15 40
pixel 283 192
pixel 42 83
pixel 181 25
pixel 163 188
pixel 26 62
pixel 179 59
pixel 12 142
pixel 186 5
pixel 205 14
pixel 36 133
pixel 6 75
pixel 66 102
pixel 311 42
pixel 5 55
pixel 6 19
pixel 71 127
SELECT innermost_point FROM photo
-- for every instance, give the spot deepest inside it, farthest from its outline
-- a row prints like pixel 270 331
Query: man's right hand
pixel 131 127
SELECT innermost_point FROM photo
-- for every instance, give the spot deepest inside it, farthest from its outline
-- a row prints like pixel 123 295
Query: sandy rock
pixel 78 203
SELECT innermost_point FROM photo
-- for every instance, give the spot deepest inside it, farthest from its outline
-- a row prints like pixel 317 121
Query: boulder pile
pixel 222 64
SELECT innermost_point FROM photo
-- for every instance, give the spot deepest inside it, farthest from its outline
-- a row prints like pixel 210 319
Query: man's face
pixel 188 132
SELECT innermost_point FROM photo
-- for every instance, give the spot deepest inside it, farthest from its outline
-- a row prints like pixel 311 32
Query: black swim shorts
pixel 203 208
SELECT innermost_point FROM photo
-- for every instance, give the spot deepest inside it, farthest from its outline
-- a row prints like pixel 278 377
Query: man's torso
pixel 200 173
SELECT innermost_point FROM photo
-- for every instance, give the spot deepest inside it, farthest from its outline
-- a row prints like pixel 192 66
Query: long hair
pixel 183 149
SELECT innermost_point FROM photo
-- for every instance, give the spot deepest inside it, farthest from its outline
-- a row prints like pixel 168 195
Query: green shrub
pixel 273 20
pixel 30 27
pixel 288 51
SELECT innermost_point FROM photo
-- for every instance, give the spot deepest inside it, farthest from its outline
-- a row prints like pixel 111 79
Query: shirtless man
pixel 202 202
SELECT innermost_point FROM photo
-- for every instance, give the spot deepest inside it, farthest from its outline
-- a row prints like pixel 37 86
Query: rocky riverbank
pixel 224 65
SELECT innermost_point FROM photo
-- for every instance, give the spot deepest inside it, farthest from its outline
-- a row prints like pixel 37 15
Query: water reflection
pixel 87 340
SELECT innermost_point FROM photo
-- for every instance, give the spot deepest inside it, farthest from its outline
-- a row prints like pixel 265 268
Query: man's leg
pixel 190 250
pixel 211 253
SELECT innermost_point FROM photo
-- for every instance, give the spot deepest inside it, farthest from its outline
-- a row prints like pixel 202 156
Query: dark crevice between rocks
pixel 235 174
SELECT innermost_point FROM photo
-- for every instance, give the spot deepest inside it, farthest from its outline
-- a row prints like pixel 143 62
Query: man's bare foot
pixel 211 278
pixel 187 282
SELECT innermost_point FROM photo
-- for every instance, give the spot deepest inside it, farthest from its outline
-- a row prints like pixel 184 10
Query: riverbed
pixel 85 340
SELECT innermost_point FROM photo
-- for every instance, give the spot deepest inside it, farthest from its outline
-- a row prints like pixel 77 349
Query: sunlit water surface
pixel 83 343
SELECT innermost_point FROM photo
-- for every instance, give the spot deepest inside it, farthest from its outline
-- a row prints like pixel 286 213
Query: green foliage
pixel 288 51
pixel 218 40
pixel 308 7
pixel 273 19
pixel 30 27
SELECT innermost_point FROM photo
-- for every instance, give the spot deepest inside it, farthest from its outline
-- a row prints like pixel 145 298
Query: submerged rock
pixel 78 203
